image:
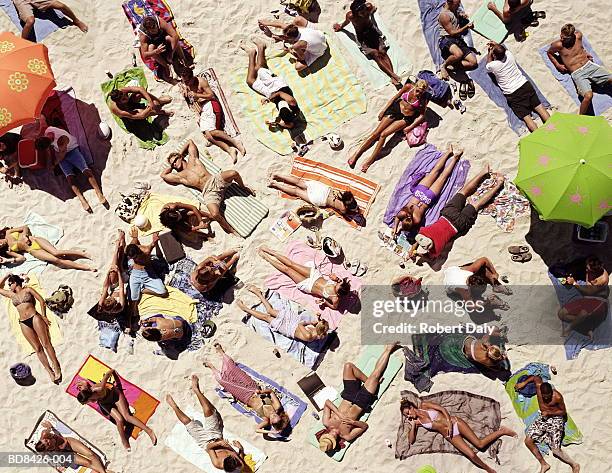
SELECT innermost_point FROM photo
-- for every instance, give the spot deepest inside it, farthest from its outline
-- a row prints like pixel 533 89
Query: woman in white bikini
pixel 112 300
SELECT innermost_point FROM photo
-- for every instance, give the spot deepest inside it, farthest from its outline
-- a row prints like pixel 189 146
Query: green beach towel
pixel 367 361
pixel 328 97
pixel 149 135
pixel 487 24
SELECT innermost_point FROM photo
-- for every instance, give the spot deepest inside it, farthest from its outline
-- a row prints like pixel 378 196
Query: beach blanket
pixel 292 404
pixel 484 80
pixel 602 97
pixel 527 407
pixel 177 304
pixel 46 22
pixel 151 208
pixel 182 443
pixel 148 133
pixel 401 64
pixel 488 24
pixel 142 404
pixel 364 190
pixel 136 10
pixel 366 363
pixel 301 254
pixel 507 206
pixel 328 98
pixel 229 124
pixel 481 413
pixel 309 354
pixel 65 431
pixel 423 162
pixel 13 315
pixel 39 227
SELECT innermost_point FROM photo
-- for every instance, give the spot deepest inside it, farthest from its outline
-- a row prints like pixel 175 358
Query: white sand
pixel 216 28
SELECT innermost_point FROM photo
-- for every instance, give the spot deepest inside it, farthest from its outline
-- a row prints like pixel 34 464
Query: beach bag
pixel 418 135
pixel 61 301
pixel 128 207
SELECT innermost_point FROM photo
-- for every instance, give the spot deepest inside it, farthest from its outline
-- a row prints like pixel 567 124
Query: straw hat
pixel 327 442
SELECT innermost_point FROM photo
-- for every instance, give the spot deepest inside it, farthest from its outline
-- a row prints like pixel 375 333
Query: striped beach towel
pixel 230 127
pixel 363 189
pixel 328 97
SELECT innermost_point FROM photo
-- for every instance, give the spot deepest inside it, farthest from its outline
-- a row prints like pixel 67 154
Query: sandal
pixel 534 23
pixel 518 249
pixel 463 91
pixel 522 258
pixel 471 89
pixel 361 270
pixel 539 14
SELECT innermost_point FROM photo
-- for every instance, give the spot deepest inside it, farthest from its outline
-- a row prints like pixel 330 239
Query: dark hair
pixel 84 395
pixel 291 31
pixel 358 5
pixel 115 95
pixel 13 278
pixel 185 71
pixel 595 263
pixel 231 463
pixel 40 446
pixel 283 422
pixel 499 52
pixel 132 250
pixel 4 246
pixel 546 389
pixel 348 199
pixel 287 115
pixel 149 22
pixel 345 288
pixel 477 284
pixel 406 403
pixel 110 305
pixel 514 3
pixel 42 143
pixel 152 334
pixel 170 218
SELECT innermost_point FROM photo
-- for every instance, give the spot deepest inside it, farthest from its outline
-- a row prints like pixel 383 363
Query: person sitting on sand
pixel 203 101
pixel 185 221
pixel 143 278
pixel 549 426
pixel 206 275
pixel 435 418
pixel 191 172
pixel 358 395
pixel 27 8
pixel 273 88
pixel 244 389
pixel 126 103
pixel 8 154
pixel 425 192
pixel 34 326
pixel 404 112
pixel 305 43
pixel 518 90
pixel 112 402
pixel 470 280
pixel 112 300
pixel 456 218
pixel 160 41
pixel 370 39
pixel 209 434
pixel 510 10
pixel 287 322
pixel 51 441
pixel 329 290
pixel 14 242
pixel 568 56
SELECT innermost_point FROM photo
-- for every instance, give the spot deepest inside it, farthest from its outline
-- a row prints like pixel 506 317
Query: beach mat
pixel 65 431
pixel 177 304
pixel 183 444
pixel 230 126
pixel 46 22
pixel 328 98
pixel 377 78
pixel 364 190
pixel 367 361
pixel 602 98
pixel 148 134
pixel 487 23
pixel 142 404
pixel 151 208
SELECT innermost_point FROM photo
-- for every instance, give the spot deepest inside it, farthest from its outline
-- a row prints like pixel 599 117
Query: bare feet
pixel 265 249
pixel 233 152
pixel 352 161
pixel 365 168
pixel 486 169
pixel 508 432
pixel 82 26
pixel 170 400
pixel 396 80
pixel 152 436
pixel 219 348
pixel 259 42
pixel 576 468
pixel 544 467
pixel 208 365
pixel 240 147
pixel 458 153
pixel 86 206
pixel 444 73
pixel 195 382
pixel 51 374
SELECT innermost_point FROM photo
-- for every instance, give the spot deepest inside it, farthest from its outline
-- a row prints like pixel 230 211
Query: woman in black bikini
pixel 112 403
pixel 34 326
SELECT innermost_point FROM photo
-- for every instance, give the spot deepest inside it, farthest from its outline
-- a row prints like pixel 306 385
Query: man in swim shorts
pixel 27 8
pixel 126 103
pixel 453 47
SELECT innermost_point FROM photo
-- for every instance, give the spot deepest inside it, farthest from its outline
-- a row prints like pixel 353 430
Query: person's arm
pixel 479 264
pixel 448 26
pixel 552 52
pixel 207 93
pixel 212 448
pixel 240 448
pixel 504 16
pixel 276 404
pixel 330 407
pixel 134 236
pixel 273 24
pixel 283 96
pixel 347 20
pixel 144 48
pixel 531 379
pixel 356 431
pixel 62 145
pixel 171 178
pixel 261 427
pixel 43 307
pixel 151 246
pixel 412 433
pixel 107 376
pixel 327 411
pixel 420 119
pixel 14 258
pixel 3 291
pixel 399 93
pixel 170 31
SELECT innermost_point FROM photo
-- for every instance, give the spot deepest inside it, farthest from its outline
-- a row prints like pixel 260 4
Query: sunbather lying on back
pixel 186 221
pixel 143 278
pixel 112 301
pixel 207 274
pixel 127 103
pixel 27 8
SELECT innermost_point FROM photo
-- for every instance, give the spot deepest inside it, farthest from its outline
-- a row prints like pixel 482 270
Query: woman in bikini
pixel 328 290
pixel 211 270
pixel 405 111
pixel 112 300
pixel 34 325
pixel 16 241
pixel 163 328
pixel 425 192
pixel 435 418
pixel 112 403
pixel 481 351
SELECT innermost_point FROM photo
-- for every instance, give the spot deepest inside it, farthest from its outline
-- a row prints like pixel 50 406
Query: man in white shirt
pixel 518 90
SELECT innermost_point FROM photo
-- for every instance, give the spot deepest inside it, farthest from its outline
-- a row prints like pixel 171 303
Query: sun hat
pixel 331 248
pixel 327 442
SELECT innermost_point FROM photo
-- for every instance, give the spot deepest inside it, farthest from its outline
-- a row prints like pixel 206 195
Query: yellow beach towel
pixel 152 206
pixel 177 304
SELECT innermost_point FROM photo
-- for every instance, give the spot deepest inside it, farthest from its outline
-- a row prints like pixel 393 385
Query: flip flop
pixel 463 91
pixel 471 89
pixel 522 258
pixel 539 14
pixel 534 23
pixel 518 249
pixel 361 270
pixel 459 106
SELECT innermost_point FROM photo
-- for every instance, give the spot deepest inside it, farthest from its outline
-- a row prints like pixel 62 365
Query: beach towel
pixel 151 208
pixel 401 64
pixel 366 363
pixel 229 126
pixel 39 227
pixel 148 133
pixel 142 404
pixel 527 407
pixel 46 22
pixel 602 97
pixel 328 98
pixel 309 354
pixel 481 413
pixel 184 444
pixel 65 431
pixel 488 24
pixel 507 206
pixel 292 404
pixel 423 162
pixel 136 10
pixel 300 253
pixel 177 304
pixel 13 314
pixel 483 79
pixel 364 190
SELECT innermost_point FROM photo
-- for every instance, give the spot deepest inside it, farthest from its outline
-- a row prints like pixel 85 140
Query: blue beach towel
pixel 46 22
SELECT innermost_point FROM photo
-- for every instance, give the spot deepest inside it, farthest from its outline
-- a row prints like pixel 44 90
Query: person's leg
pixel 258 315
pixel 383 61
pixel 542 112
pixel 369 142
pixel 470 454
pixel 261 54
pixel 207 408
pixel 291 273
pixel 533 448
pixel 120 424
pixel 485 198
pixel 481 443
pixel 289 179
pixel 214 136
pixel 455 56
pixel 32 338
pixel 393 128
pixel 60 263
pixel 77 192
pixel 49 248
pixel 303 270
pixel 215 213
pixel 372 382
pixel 351 372
pixel 469 62
pixel 42 331
pixel 565 458
pixel 530 122
pixel 252 69
pixel 28 27
pixel 182 417
pixel 269 309
pixel 585 103
pixel 290 190
pixel 96 187
pixel 124 409
pixel 70 14
pixel 472 185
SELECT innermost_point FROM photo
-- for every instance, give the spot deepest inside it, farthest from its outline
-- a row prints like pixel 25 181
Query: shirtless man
pixel 371 40
pixel 191 172
pixel 357 397
pixel 203 101
pixel 549 427
pixel 27 8
pixel 209 435
pixel 127 103
pixel 569 56
pixel 453 47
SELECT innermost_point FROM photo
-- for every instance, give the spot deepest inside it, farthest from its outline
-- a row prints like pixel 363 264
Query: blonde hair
pixel 322 327
pixel 421 86
pixel 327 442
pixel 495 353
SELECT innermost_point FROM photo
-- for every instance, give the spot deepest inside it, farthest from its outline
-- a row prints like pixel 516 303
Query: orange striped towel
pixel 363 189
